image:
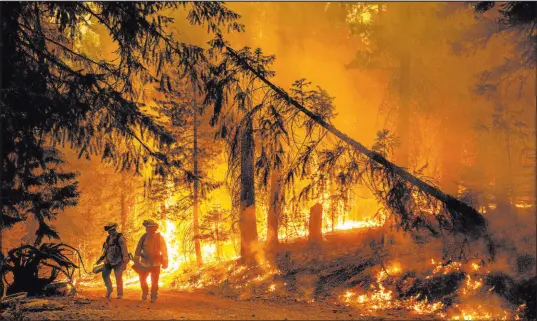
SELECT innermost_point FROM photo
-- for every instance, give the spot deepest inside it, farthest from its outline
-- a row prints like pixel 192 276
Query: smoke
pixel 471 105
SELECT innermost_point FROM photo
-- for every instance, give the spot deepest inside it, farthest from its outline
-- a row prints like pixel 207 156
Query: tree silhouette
pixel 53 94
pixel 517 16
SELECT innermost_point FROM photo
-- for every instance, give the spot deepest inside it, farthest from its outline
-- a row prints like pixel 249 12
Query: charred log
pixel 315 225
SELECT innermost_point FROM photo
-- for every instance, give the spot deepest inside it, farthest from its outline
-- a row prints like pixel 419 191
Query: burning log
pixel 316 224
pixel 464 217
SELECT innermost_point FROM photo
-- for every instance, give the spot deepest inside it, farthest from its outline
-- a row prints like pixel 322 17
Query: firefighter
pixel 116 257
pixel 151 254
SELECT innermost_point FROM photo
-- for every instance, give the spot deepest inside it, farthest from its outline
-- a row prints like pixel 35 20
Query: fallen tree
pixel 463 218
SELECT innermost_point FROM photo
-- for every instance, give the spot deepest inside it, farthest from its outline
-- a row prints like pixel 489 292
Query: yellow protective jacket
pixel 152 250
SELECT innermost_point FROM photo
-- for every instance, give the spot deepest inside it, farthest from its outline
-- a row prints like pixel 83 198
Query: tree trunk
pixel 332 215
pixel 247 219
pixel 333 204
pixel 315 229
pixel 10 13
pixel 197 245
pixel 472 223
pixel 403 117
pixel 217 236
pixel 123 205
pixel 274 209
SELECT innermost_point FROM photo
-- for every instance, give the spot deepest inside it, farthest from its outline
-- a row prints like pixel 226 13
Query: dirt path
pixel 187 306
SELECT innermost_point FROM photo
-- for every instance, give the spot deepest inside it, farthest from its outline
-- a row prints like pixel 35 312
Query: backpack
pixel 114 255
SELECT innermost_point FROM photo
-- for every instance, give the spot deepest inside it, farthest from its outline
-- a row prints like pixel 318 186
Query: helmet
pixel 148 223
pixel 110 226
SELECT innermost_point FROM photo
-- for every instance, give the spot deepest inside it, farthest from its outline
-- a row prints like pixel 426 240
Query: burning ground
pixel 349 276
pixel 351 269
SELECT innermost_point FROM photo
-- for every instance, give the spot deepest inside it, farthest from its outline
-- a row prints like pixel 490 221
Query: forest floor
pixel 344 278
pixel 250 301
pixel 178 305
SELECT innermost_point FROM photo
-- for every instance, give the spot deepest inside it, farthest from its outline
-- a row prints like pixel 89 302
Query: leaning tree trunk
pixel 471 222
pixel 274 209
pixel 197 245
pixel 247 219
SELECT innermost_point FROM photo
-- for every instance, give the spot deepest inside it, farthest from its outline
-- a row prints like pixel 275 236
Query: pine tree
pixel 243 127
pixel 214 227
pixel 520 20
pixel 70 97
pixel 187 118
pixel 53 94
